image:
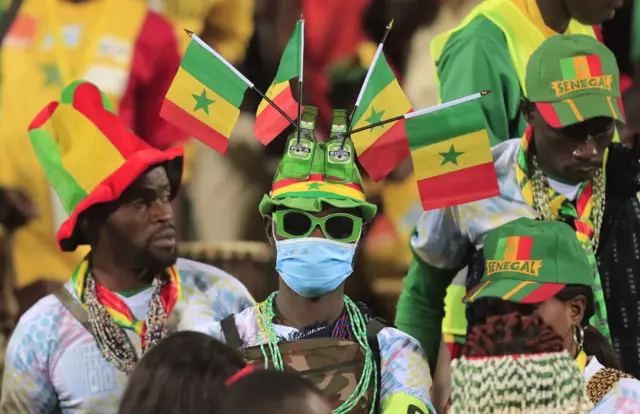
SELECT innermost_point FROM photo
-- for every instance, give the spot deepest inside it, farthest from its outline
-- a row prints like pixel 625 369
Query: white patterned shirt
pixel 53 362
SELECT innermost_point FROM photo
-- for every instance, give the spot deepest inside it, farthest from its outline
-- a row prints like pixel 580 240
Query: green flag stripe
pixel 500 248
pixel 48 153
pixel 69 92
pixel 290 61
pixel 213 73
pixel 568 69
pixel 447 123
pixel 381 76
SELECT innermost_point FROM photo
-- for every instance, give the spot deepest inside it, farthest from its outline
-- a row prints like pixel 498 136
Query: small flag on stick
pixel 451 154
pixel 205 96
pixel 382 147
pixel 270 123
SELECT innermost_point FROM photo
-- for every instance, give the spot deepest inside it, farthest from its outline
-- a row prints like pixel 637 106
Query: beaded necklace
pixel 109 316
pixel 587 212
pixel 265 313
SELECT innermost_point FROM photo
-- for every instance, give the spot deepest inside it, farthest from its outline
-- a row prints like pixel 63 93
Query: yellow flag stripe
pixel 516 290
pixel 337 189
pixel 272 92
pixel 73 130
pixel 187 92
pixel 389 103
pixel 474 150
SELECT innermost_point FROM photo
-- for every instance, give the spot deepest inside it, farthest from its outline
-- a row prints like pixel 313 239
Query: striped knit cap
pixel 517 365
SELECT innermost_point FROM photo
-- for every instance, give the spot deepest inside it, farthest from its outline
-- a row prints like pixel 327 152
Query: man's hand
pixel 16 208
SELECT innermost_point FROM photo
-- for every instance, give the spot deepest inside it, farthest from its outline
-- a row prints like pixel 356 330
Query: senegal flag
pixel 205 96
pixel 269 122
pixel 382 148
pixel 451 155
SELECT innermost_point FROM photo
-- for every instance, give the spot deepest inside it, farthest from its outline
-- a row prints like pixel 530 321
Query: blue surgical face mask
pixel 312 266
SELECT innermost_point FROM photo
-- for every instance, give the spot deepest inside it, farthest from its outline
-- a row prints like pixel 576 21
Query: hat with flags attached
pixel 89 156
pixel 314 173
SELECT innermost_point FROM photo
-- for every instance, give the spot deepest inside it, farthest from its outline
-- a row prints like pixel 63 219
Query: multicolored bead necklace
pixel 109 316
pixel 587 212
pixel 265 313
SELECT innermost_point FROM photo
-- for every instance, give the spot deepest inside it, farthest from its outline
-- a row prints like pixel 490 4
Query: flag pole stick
pixel 300 78
pixel 366 79
pixel 241 76
pixel 423 111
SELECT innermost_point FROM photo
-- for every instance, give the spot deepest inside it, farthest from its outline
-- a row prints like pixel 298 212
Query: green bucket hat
pixel 530 261
pixel 314 173
pixel 573 78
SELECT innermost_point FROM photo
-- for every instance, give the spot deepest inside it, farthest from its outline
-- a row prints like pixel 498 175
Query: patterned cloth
pixel 53 363
pixel 624 397
pixel 404 365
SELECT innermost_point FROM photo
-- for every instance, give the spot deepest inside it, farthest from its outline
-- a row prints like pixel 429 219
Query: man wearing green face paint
pixel 314 216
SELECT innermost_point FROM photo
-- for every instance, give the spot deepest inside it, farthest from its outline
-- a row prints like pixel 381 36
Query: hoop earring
pixel 577 334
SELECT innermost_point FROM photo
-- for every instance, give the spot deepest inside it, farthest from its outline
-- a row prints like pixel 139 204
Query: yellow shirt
pixel 29 81
pixel 226 25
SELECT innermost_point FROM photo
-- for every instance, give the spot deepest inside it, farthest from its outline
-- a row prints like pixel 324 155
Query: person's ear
pixel 577 308
pixel 528 109
pixel 268 229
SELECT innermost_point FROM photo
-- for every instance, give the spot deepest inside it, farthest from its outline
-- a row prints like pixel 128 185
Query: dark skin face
pixel 572 154
pixel 138 236
pixel 562 316
pixel 557 13
pixel 296 310
pixel 592 12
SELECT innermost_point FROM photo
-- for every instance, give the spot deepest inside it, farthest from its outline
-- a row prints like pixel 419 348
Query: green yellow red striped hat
pixel 573 78
pixel 89 156
pixel 530 261
pixel 310 175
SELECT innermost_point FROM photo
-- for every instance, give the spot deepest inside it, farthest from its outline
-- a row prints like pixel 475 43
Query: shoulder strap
pixel 230 330
pixel 374 326
pixel 73 306
pixel 602 382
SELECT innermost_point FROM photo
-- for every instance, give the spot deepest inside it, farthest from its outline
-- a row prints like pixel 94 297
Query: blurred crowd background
pixel 219 221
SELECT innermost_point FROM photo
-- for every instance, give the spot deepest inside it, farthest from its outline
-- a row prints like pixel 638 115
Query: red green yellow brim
pixel 572 111
pixel 514 290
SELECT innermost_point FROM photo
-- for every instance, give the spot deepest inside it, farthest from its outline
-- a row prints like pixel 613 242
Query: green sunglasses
pixel 294 224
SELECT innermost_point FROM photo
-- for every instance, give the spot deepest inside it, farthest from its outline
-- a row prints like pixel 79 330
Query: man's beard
pixel 151 261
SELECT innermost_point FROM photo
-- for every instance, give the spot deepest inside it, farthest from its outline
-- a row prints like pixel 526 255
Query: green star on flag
pixel 375 117
pixel 51 74
pixel 202 101
pixel 450 156
pixel 314 186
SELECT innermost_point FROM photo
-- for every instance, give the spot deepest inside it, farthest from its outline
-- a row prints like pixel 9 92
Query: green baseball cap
pixel 572 78
pixel 530 261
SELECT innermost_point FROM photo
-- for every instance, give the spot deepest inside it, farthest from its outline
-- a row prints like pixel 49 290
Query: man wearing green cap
pixel 554 172
pixel 72 352
pixel 315 216
pixel 539 267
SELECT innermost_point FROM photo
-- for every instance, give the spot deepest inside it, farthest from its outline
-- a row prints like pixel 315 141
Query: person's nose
pixel 162 211
pixel 317 232
pixel 586 151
